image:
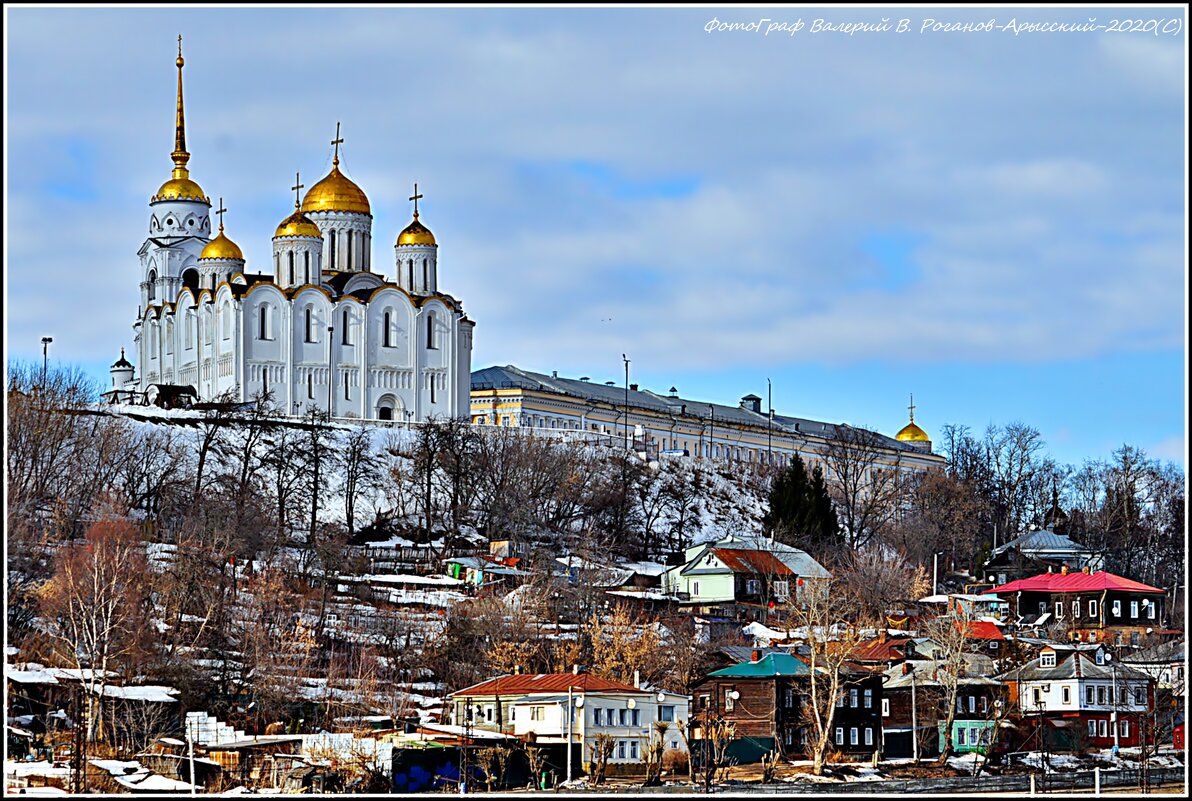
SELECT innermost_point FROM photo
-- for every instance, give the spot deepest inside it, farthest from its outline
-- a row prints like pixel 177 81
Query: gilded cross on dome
pixel 912 407
pixel 220 211
pixel 416 197
pixel 297 187
pixel 337 141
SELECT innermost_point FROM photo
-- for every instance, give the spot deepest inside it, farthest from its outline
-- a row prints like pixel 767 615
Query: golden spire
pixel 180 156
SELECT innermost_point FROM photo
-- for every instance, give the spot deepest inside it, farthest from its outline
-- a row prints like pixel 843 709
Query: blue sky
pixel 993 222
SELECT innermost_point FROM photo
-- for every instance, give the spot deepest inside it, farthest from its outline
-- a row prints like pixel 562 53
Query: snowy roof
pixel 30 676
pixel 1042 540
pixel 405 578
pixel 148 693
pixel 1162 653
pixel 923 672
pixel 1077 665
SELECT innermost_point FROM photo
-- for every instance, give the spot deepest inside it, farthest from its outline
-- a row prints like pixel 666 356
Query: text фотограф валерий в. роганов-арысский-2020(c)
pixel 767 26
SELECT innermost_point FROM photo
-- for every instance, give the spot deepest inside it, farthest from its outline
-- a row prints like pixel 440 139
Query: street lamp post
pixel 45 358
pixel 769 421
pixel 626 360
pixel 935 567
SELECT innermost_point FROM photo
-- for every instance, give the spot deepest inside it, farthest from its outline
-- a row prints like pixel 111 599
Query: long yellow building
pixel 509 396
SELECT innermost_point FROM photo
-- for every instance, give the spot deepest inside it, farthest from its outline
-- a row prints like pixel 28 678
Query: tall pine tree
pixel 801 512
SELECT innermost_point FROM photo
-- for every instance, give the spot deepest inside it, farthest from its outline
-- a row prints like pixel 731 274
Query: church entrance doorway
pixel 190 280
pixel 385 413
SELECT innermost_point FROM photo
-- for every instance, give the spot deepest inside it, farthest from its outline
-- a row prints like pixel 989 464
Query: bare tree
pixel 950 635
pixel 832 628
pixel 94 606
pixel 864 482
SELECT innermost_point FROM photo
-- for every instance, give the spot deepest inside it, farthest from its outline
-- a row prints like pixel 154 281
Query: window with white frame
pixel 728 703
pixel 1038 696
pixel 1092 728
pixel 1066 692
pixel 852 698
pixel 960 735
pixel 1075 609
pixel 1047 659
pixel 1134 609
pixel 852 736
pixel 885 707
pixel 620 749
pixel 839 735
pixel 1101 696
pixel 782 589
pixel 1102 728
pixel 1117 608
pixel 868 736
pixel 972 704
pixel 753 586
pixel 868 699
pixel 1150 609
pixel 790 697
pixel 623 714
pixel 1139 695
pixel 636 717
pixel 1059 609
pixel 1092 608
pixel 666 713
pixel 536 712
pixel 1124 728
pixel 597 716
pixel 633 749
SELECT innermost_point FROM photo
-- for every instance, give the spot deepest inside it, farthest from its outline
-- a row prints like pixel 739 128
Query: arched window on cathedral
pixel 152 279
pixel 426 275
pixel 310 324
pixel 306 264
pixel 387 333
pixel 432 388
pixel 277 267
pixel 310 385
pixel 190 331
pixel 347 322
pixel 290 259
pixel 331 237
pixel 226 323
pixel 263 322
pixel 411 284
pixel 349 250
pixel 153 342
pixel 169 337
pixel 430 330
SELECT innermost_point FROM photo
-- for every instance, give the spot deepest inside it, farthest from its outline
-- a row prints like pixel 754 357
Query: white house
pixel 534 707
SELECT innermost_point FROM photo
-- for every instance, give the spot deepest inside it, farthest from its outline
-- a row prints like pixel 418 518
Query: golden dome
pixel 416 234
pixel 222 248
pixel 336 192
pixel 912 433
pixel 180 189
pixel 297 224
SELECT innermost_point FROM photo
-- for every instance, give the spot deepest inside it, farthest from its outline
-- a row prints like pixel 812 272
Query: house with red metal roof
pixel 1095 607
pixel 730 574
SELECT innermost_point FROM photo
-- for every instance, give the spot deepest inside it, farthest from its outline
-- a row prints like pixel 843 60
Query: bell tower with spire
pixel 179 229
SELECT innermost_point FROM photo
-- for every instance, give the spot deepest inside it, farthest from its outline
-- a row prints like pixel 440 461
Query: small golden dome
pixel 336 192
pixel 297 224
pixel 222 248
pixel 180 189
pixel 912 433
pixel 416 234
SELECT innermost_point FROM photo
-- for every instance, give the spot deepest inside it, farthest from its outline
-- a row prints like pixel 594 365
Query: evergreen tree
pixel 801 512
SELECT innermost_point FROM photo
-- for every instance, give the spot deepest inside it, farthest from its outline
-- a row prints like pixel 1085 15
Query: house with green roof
pixel 764 698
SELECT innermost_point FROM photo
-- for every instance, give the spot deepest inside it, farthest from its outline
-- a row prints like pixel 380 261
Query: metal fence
pixel 1052 782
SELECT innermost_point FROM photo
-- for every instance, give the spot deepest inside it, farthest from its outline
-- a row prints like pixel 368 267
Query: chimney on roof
pixel 881 636
pixel 576 669
pixel 633 387
pixel 752 402
pixel 554 373
pixel 906 668
pixel 756 656
pixel 1064 569
pixel 637 679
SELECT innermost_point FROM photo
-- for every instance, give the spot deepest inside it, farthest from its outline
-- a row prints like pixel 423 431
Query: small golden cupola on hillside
pixel 912 434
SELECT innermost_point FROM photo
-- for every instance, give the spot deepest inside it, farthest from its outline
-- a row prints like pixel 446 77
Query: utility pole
pixel 190 749
pixel 914 719
pixel 569 732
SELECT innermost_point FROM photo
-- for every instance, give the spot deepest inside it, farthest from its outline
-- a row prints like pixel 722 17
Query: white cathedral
pixel 320 330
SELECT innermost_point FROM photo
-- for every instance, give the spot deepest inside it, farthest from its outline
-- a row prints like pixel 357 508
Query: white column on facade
pixel 239 349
